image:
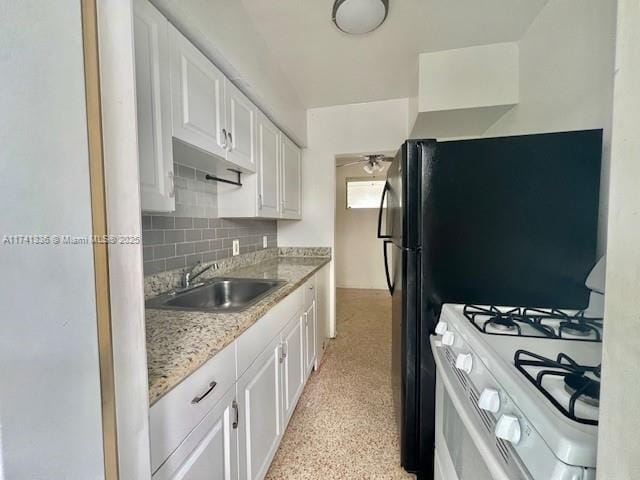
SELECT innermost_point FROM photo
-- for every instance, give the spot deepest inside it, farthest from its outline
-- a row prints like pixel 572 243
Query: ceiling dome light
pixel 359 16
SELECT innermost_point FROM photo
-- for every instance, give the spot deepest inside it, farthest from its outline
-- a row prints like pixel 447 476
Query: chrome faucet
pixel 189 276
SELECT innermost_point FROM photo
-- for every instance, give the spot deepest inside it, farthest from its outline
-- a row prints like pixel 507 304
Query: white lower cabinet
pixel 210 451
pixel 310 337
pixel 226 420
pixel 260 412
pixel 293 371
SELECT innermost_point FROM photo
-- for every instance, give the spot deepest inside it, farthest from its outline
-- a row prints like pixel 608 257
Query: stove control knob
pixel 448 338
pixel 489 400
pixel 464 362
pixel 508 428
pixel 441 328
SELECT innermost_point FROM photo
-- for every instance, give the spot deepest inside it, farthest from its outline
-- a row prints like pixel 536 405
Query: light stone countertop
pixel 179 342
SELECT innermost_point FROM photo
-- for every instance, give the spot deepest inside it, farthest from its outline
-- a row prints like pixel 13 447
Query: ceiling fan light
pixel 368 168
pixel 359 16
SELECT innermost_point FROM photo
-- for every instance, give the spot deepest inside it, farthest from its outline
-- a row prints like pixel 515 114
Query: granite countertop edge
pixel 169 364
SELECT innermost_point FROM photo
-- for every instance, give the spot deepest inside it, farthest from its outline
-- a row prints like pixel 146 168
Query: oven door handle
pixel 460 403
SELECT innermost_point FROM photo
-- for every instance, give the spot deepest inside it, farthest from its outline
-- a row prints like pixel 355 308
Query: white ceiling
pixel 328 67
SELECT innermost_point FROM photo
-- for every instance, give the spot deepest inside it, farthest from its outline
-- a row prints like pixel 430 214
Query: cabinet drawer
pixel 309 292
pixel 179 411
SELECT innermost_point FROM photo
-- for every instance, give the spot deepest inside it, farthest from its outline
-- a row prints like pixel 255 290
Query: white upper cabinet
pixel 241 127
pixel 197 91
pixel 153 95
pixel 181 95
pixel 290 180
pixel 268 163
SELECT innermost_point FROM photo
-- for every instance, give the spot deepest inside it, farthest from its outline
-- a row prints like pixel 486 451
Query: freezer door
pixel 406 177
pixel 394 191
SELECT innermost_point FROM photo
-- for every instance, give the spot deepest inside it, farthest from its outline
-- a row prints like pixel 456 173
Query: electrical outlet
pixel 236 247
pixel 264 241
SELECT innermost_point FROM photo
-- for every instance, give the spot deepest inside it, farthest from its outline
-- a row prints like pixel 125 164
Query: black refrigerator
pixel 503 221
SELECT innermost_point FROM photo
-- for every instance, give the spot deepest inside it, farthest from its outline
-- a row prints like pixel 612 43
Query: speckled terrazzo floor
pixel 343 426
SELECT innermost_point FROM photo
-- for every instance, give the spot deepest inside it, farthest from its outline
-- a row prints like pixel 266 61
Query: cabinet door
pixel 268 154
pixel 291 178
pixel 260 413
pixel 210 452
pixel 322 313
pixel 241 127
pixel 310 337
pixel 153 99
pixel 293 372
pixel 197 90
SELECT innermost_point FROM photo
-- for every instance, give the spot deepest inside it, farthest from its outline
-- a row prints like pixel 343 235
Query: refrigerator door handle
pixel 384 193
pixel 386 265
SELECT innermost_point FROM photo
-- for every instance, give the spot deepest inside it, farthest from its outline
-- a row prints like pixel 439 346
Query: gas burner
pixel 505 324
pixel 577 329
pixel 581 383
pixel 589 388
pixel 534 322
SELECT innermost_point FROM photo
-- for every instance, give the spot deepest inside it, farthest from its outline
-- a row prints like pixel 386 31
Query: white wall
pixel 566 77
pixel 619 433
pixel 341 130
pixel 50 412
pixel 481 76
pixel 359 260
pixel 223 30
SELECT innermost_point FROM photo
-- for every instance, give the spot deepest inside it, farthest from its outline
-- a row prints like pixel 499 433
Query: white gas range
pixel 517 392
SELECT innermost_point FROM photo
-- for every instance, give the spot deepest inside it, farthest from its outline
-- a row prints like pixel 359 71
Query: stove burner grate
pixel 576 382
pixel 510 322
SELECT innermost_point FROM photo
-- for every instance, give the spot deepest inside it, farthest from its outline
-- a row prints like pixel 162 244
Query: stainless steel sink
pixel 218 295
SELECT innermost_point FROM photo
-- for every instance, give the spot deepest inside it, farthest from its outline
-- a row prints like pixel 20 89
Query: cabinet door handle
pixel 234 405
pixel 226 138
pixel 172 192
pixel 200 397
pixel 260 201
pixel 230 142
pixel 285 348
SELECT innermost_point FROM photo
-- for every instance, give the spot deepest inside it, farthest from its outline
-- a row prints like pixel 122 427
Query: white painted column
pixel 117 82
pixel 618 436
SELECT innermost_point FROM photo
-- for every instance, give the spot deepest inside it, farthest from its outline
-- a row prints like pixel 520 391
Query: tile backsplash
pixel 192 233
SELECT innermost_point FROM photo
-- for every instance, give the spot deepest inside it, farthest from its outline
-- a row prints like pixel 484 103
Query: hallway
pixel 344 427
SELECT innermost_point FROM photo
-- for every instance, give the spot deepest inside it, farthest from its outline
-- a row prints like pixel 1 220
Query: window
pixel 364 192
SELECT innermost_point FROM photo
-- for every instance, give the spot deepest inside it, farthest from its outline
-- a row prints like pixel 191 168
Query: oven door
pixel 465 449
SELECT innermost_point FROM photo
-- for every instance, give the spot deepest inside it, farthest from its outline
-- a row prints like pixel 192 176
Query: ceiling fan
pixel 370 163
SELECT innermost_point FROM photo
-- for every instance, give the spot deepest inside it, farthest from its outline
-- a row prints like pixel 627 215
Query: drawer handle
pixel 234 405
pixel 199 398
